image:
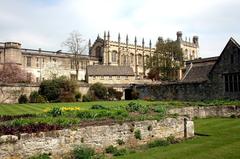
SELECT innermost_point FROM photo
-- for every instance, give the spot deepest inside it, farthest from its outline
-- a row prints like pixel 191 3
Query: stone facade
pixel 43 64
pixel 99 137
pixel 116 53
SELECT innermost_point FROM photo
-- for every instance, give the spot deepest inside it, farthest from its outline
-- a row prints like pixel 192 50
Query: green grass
pixel 223 142
pixel 15 109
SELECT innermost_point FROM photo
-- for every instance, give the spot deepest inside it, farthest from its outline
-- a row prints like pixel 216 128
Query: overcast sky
pixel 47 23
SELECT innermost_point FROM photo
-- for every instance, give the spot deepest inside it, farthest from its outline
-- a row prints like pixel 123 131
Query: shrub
pixel 87 98
pixel 83 153
pixel 35 97
pixel 111 149
pixel 97 106
pixel 98 91
pixel 171 139
pixel 52 89
pixel 67 97
pixel 55 112
pixel 157 143
pixel 120 142
pixel 86 114
pixel 120 152
pixel 22 99
pixel 42 156
pixel 138 135
pixel 78 96
pixel 136 107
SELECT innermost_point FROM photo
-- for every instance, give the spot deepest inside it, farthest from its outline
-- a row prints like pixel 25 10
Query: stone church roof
pixel 106 70
pixel 198 70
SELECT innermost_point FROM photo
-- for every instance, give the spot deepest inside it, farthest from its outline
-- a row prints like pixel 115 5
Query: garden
pixel 57 105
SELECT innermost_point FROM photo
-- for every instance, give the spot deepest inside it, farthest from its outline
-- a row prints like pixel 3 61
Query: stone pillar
pixel 135 57
pixel 143 61
pixel 188 128
pixel 119 50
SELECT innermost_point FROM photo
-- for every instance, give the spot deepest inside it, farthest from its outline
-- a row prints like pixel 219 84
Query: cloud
pixel 46 24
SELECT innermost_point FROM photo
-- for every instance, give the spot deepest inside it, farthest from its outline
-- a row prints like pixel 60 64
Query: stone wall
pixel 176 91
pixel 11 93
pixel 99 137
pixel 204 112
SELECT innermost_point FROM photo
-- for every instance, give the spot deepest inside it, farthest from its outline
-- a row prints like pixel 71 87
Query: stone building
pixel 110 74
pixel 43 64
pixel 116 53
pixel 208 78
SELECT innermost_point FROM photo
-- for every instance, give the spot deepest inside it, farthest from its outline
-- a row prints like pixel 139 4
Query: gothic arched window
pixel 98 51
pixel 131 59
pixel 114 56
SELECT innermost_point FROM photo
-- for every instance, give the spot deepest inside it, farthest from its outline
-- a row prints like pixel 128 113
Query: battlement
pixel 13 45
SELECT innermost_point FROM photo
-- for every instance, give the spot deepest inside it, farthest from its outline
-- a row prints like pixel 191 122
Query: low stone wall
pixel 204 112
pixel 99 137
pixel 10 93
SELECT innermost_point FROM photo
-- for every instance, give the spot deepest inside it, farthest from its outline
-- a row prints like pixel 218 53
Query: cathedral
pixel 118 53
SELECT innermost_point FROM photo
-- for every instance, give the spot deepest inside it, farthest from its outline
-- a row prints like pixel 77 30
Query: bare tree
pixel 76 45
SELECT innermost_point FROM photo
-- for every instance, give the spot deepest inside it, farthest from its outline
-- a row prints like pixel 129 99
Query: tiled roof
pixel 201 60
pixel 105 70
pixel 198 71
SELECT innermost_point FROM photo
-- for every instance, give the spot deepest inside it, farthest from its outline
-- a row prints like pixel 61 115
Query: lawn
pixel 220 139
pixel 16 109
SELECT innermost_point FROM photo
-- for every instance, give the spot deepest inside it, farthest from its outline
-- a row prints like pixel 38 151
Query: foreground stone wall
pixel 62 141
pixel 204 112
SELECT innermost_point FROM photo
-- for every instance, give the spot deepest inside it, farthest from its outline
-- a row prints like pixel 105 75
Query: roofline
pixel 219 57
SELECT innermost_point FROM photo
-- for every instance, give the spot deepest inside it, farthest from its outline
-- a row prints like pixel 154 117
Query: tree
pixel 166 60
pixel 75 44
pixel 98 91
pixel 12 73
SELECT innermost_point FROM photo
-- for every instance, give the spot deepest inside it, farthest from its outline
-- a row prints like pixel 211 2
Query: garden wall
pixel 177 91
pixel 11 92
pixel 204 112
pixel 99 137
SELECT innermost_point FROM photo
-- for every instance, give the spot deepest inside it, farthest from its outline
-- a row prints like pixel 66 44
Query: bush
pixel 136 107
pixel 116 152
pixel 138 135
pixel 67 97
pixel 35 97
pixel 55 112
pixel 120 152
pixel 83 153
pixel 87 98
pixel 42 156
pixel 98 91
pixel 52 89
pixel 78 96
pixel 97 106
pixel 111 149
pixel 22 99
pixel 157 143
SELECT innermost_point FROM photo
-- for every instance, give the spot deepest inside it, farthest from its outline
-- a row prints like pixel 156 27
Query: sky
pixel 47 23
